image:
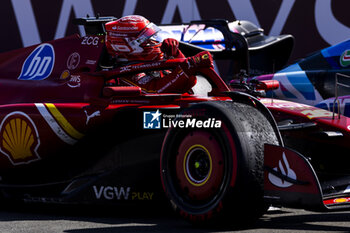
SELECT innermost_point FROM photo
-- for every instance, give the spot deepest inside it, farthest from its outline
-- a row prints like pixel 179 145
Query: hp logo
pixel 39 64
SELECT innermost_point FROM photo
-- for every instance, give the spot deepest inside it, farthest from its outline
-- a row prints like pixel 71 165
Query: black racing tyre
pixel 215 175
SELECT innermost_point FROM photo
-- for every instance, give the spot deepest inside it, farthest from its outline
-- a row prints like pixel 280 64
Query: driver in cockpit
pixel 133 39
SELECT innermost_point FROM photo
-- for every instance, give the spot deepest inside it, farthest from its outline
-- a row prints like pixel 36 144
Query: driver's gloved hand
pixel 170 47
pixel 200 60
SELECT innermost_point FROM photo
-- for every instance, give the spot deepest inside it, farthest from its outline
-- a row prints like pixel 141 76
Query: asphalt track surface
pixel 50 218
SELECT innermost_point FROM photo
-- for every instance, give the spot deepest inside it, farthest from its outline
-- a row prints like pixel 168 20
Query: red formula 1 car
pixel 68 136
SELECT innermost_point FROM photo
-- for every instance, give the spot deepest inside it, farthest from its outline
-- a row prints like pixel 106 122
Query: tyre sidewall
pixel 237 190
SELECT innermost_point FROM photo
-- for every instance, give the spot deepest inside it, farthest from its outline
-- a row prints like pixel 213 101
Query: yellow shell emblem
pixel 19 139
pixel 65 74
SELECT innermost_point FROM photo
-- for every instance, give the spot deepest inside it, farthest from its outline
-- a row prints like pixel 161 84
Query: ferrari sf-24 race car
pixel 216 155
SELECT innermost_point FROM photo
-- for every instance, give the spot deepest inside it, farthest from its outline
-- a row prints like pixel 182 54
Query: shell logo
pixel 19 138
pixel 65 74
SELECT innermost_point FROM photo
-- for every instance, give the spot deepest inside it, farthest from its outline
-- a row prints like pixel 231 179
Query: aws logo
pixel 39 64
pixel 19 138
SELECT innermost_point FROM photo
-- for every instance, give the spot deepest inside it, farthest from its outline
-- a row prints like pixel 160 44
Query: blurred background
pixel 315 24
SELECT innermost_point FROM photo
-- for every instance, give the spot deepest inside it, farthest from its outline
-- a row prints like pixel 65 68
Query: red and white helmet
pixel 133 37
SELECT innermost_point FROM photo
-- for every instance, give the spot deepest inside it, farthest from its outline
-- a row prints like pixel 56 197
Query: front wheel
pixel 213 175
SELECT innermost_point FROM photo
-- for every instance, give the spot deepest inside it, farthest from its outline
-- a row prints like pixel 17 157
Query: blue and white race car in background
pixel 321 79
pixel 229 41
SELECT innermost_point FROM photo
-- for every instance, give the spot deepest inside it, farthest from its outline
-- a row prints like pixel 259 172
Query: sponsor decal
pixel 154 64
pixel 90 62
pixel 90 40
pixel 345 58
pixel 120 193
pixel 284 168
pixel 335 201
pixel 131 18
pixel 65 74
pixel 130 101
pixel 284 104
pixel 111 193
pixel 136 67
pixel 318 113
pixel 39 64
pixel 113 34
pixel 178 75
pixel 142 196
pixel 73 61
pixel 132 28
pixel 125 69
pixel 74 81
pixel 92 115
pixel 155 120
pixel 340 200
pixel 58 123
pixel 19 138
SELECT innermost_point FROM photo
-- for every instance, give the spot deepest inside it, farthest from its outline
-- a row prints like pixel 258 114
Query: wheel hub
pixel 197 165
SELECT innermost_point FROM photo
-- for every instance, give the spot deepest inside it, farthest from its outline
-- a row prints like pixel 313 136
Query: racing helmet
pixel 134 38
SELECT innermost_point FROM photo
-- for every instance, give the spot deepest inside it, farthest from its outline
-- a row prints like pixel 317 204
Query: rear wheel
pixel 212 175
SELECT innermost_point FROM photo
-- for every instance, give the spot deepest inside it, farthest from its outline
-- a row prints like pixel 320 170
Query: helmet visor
pixel 149 32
